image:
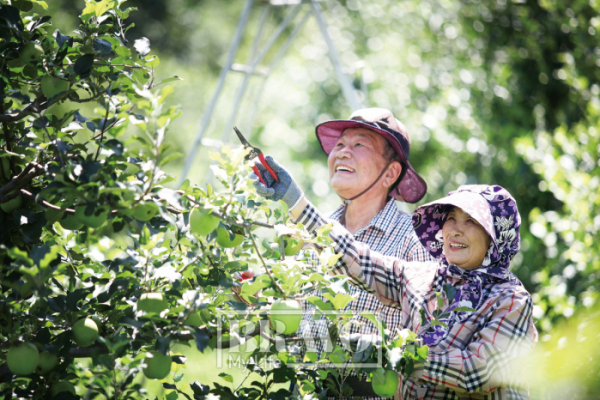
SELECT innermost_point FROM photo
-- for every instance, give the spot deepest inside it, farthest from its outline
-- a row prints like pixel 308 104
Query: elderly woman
pixel 473 233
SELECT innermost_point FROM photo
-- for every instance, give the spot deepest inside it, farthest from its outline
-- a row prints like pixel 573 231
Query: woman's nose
pixel 455 231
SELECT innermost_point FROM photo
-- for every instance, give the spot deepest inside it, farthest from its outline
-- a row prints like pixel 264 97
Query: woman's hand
pixel 285 188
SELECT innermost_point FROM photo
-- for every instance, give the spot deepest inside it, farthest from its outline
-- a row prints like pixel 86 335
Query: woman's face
pixel 465 240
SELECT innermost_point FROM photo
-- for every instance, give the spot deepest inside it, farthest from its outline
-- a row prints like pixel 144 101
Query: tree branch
pixel 44 203
pixel 32 170
pixel 265 265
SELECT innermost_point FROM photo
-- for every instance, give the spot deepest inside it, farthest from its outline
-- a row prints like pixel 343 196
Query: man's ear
pixel 392 174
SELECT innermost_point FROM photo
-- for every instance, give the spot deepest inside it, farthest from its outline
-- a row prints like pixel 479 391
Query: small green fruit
pixel 287 316
pixel 22 359
pixel 158 366
pixel 51 86
pixel 26 288
pixel 98 322
pixel 12 205
pixel 47 363
pixel 71 222
pixel 152 303
pixel 96 219
pixel 145 211
pixel 293 246
pixel 202 222
pixel 224 241
pixel 85 332
pixel 31 52
pixel 385 382
pixel 62 386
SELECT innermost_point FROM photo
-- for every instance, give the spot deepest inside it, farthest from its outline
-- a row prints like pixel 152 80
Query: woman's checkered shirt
pixel 480 358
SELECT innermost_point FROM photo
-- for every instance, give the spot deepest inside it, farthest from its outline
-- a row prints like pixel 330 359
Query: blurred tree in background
pixel 492 91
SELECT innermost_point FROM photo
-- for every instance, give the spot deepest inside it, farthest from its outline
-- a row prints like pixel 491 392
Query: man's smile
pixel 344 168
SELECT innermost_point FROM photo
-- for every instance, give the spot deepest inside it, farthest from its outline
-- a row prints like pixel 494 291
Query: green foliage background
pixel 492 91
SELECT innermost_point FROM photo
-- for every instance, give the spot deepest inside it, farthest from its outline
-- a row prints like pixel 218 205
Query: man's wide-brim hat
pixel 412 188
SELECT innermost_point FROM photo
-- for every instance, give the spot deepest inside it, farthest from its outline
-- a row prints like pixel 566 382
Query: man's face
pixel 356 161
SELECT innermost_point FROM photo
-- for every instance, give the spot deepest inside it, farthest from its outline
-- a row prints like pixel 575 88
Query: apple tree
pixel 104 267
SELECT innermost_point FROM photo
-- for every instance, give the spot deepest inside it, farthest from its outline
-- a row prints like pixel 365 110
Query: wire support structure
pixel 252 67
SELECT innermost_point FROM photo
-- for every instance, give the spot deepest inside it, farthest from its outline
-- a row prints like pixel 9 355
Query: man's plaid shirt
pixel 390 233
pixel 480 358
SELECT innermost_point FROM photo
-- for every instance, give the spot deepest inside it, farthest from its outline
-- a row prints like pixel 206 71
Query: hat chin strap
pixel 348 201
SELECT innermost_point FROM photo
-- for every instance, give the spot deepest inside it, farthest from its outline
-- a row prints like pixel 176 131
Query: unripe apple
pixel 98 322
pixel 202 222
pixel 152 303
pixel 71 222
pixel 51 86
pixel 224 241
pixel 12 205
pixel 47 363
pixel 385 382
pixel 145 211
pixel 287 316
pixel 23 358
pixel 31 52
pixel 85 332
pixel 293 246
pixel 62 386
pixel 158 366
pixel 96 219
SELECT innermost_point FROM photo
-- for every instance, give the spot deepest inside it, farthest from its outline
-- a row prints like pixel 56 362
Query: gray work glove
pixel 285 189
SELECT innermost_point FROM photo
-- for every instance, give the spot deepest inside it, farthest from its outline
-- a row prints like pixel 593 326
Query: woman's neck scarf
pixel 496 210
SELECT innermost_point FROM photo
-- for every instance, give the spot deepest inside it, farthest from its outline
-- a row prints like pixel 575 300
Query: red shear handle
pixel 264 162
pixel 257 172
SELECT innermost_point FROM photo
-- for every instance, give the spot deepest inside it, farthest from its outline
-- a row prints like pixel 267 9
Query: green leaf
pixel 171 79
pixel 333 259
pixel 89 11
pixel 312 278
pixel 423 351
pixel 319 303
pixel 169 158
pixel 376 321
pixel 41 3
pixel 103 6
pixel 261 282
pixel 20 255
pixel 83 64
pixel 464 309
pixel 311 356
pixel 284 208
pixel 440 300
pixel 226 377
pixel 340 300
pixel 450 292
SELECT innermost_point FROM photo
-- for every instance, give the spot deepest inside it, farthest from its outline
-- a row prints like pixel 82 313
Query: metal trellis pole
pixel 213 102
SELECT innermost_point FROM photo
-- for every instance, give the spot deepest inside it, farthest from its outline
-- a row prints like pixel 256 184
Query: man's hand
pixel 285 189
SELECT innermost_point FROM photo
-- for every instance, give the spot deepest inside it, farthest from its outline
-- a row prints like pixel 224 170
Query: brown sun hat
pixel 412 188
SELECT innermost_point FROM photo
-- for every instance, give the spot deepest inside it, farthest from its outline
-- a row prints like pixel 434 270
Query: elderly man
pixel 369 170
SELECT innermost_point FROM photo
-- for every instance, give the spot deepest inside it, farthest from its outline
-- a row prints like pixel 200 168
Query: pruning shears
pixel 254 152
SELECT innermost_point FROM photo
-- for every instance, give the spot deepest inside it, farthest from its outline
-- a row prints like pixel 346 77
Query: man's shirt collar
pixel 384 220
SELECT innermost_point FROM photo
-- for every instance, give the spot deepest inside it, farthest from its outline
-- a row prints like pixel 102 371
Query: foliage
pixel 97 258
